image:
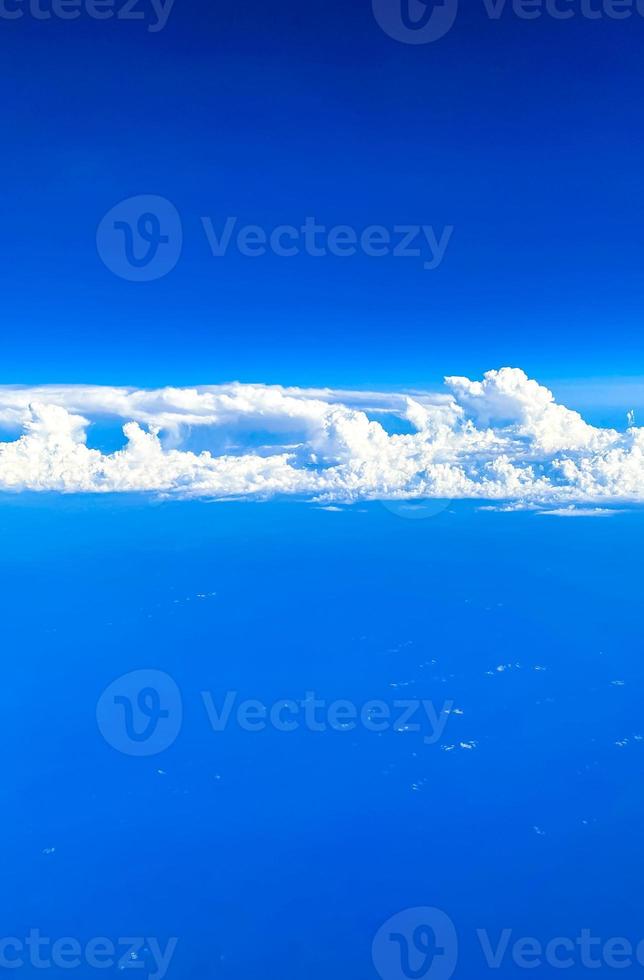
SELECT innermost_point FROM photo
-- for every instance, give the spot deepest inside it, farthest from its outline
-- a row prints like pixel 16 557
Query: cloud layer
pixel 500 439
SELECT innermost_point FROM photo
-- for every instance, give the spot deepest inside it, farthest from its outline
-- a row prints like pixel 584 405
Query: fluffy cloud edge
pixel 503 438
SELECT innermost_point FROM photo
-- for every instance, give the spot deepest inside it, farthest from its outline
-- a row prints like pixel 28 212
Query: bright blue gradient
pixel 523 134
pixel 275 854
pixel 289 862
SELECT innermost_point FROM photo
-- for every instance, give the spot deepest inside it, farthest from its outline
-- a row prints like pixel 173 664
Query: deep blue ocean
pixel 281 853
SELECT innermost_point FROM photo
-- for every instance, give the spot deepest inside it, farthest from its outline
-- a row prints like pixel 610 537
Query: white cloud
pixel 502 439
pixel 581 512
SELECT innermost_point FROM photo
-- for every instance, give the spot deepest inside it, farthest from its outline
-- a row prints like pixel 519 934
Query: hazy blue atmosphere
pixel 282 853
pixel 321 602
pixel 522 134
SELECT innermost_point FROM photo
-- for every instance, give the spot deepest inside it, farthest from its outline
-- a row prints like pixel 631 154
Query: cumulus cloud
pixel 503 439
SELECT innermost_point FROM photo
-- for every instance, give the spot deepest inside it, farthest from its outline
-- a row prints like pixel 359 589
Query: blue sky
pixel 521 134
pixel 343 525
